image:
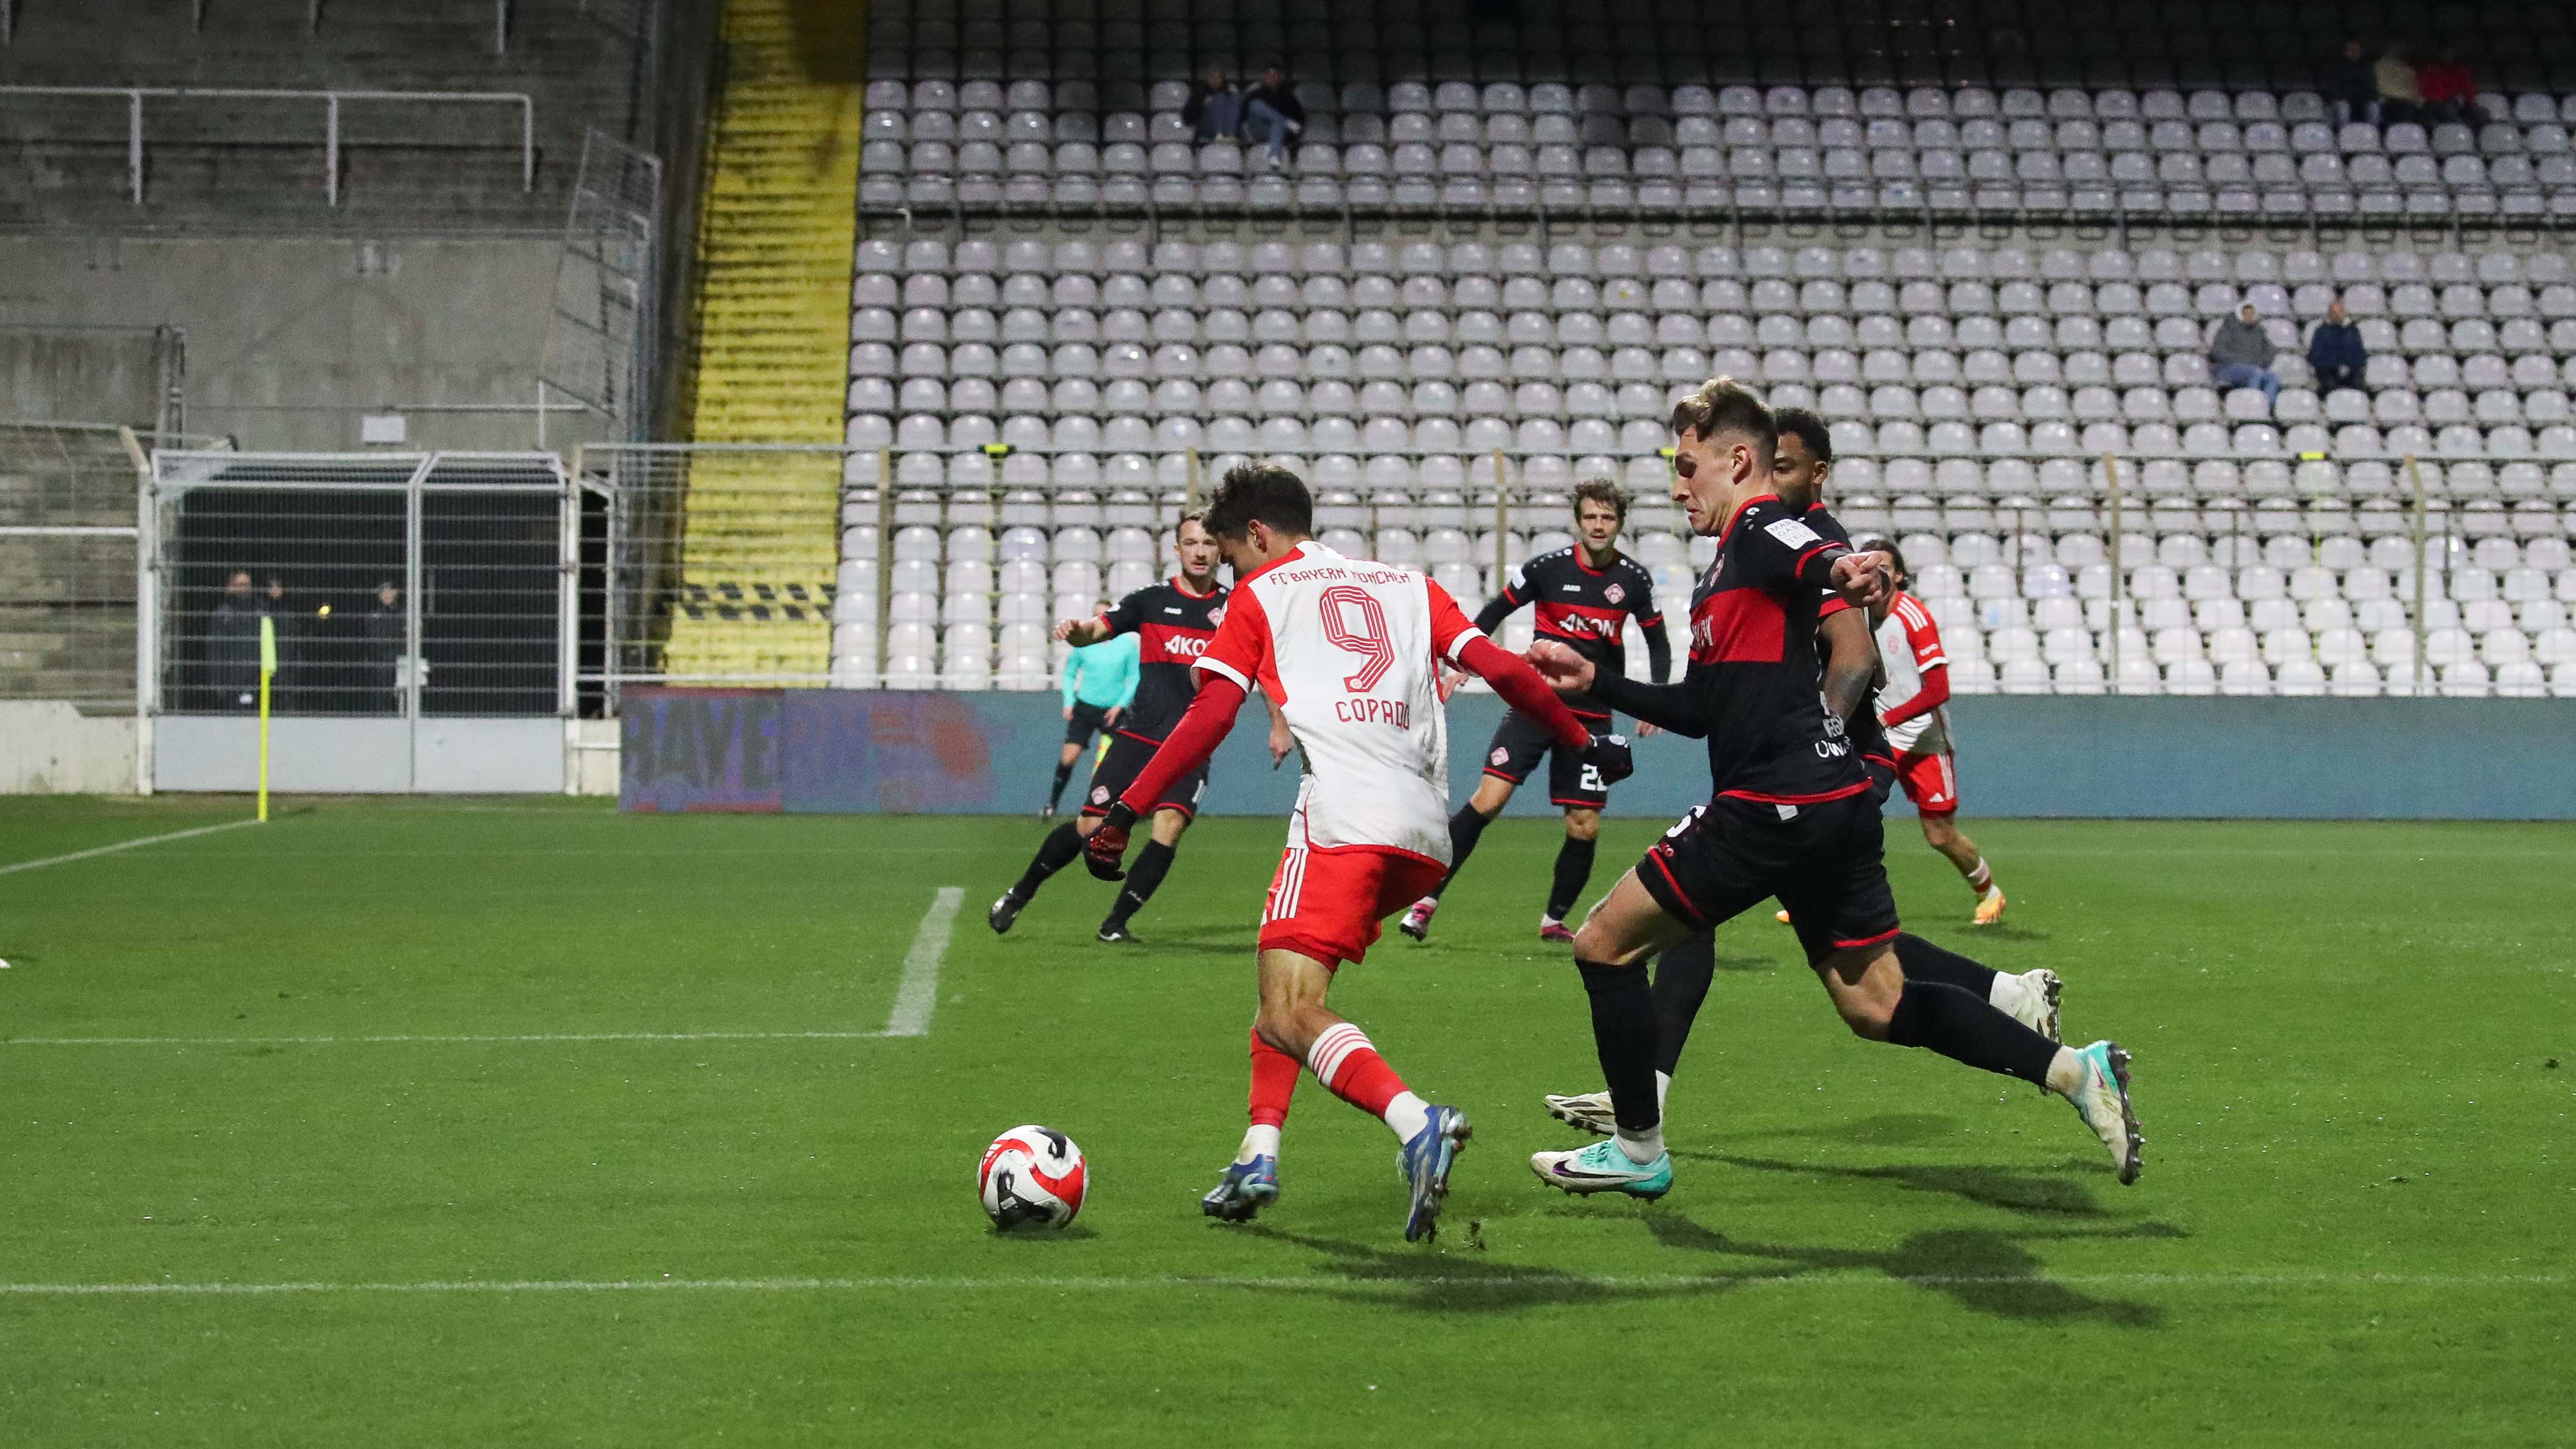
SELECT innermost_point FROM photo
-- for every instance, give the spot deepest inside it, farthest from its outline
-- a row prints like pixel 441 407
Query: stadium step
pixel 774 247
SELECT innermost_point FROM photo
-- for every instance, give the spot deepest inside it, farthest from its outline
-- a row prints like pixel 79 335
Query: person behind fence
pixel 1215 107
pixel 232 644
pixel 290 644
pixel 2335 353
pixel 2241 356
pixel 2352 87
pixel 1273 115
pixel 388 639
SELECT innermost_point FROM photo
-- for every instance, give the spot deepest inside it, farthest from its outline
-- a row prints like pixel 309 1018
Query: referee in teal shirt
pixel 1099 681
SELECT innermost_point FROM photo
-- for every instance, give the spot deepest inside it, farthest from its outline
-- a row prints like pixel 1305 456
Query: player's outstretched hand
pixel 1064 629
pixel 1564 670
pixel 1608 754
pixel 1866 579
pixel 1104 846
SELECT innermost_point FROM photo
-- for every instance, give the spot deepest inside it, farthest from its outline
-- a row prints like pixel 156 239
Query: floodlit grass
pixel 2355 1050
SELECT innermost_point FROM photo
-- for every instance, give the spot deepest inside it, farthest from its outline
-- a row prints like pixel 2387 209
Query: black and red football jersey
pixel 1585 608
pixel 1753 686
pixel 1172 628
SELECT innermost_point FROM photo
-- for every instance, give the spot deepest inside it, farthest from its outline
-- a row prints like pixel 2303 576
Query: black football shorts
pixel 1824 862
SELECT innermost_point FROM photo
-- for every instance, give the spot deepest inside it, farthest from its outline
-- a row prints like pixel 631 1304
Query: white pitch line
pixel 1307 1282
pixel 398 1040
pixel 918 992
pixel 122 845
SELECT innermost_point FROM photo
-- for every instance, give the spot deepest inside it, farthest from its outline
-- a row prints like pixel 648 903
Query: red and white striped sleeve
pixel 1921 633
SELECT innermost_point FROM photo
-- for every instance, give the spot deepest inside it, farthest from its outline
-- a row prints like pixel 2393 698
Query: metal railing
pixel 332 101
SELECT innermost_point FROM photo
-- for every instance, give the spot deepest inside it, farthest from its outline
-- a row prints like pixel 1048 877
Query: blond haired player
pixel 1349 652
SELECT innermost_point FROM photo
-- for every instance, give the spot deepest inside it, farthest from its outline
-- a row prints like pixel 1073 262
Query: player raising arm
pixel 1791 815
pixel 1584 595
pixel 1348 652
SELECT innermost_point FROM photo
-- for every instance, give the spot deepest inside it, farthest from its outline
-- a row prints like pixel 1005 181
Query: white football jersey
pixel 1909 644
pixel 1350 651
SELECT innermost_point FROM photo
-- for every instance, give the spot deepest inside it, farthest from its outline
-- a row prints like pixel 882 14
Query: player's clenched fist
pixel 1609 755
pixel 1103 847
pixel 1565 671
pixel 1866 579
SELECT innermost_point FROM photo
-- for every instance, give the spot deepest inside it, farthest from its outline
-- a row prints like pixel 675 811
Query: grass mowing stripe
pixel 1161 1282
pixel 122 845
pixel 918 992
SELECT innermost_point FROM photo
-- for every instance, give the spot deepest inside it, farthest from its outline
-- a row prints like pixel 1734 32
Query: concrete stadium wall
pixel 50 748
pixel 291 341
pixel 2206 758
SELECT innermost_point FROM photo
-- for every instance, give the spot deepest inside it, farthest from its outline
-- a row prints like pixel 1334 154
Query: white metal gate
pixel 424 606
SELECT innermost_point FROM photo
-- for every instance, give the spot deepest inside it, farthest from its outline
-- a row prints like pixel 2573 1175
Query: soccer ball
pixel 1032 1177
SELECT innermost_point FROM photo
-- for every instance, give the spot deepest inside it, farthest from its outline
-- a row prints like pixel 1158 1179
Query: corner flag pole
pixel 267 671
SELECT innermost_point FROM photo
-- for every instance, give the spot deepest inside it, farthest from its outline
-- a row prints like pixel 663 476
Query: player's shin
pixel 1350 1068
pixel 1152 863
pixel 1055 852
pixel 1063 772
pixel 1949 1020
pixel 1274 1083
pixel 1924 961
pixel 1682 977
pixel 1465 828
pixel 1624 1035
pixel 1573 869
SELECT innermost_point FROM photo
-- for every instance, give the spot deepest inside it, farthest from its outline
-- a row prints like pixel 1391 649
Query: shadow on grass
pixel 2020 1192
pixel 1893 1129
pixel 1980 1269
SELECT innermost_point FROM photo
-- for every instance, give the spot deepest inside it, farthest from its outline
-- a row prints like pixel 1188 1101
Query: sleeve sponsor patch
pixel 1792 533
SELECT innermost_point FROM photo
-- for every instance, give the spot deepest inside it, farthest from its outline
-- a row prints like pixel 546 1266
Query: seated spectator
pixel 2401 97
pixel 1215 107
pixel 1273 114
pixel 2241 356
pixel 2352 87
pixel 2450 92
pixel 2335 352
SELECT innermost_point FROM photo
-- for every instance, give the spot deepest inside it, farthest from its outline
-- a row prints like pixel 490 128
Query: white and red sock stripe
pixel 1334 1049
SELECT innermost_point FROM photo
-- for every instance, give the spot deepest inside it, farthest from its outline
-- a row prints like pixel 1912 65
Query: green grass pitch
pixel 2356 1051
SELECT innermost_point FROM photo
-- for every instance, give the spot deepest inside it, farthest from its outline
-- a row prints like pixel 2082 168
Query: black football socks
pixel 1623 1033
pixel 1464 827
pixel 1063 773
pixel 1573 868
pixel 1682 977
pixel 1055 852
pixel 1924 961
pixel 1142 877
pixel 1960 1026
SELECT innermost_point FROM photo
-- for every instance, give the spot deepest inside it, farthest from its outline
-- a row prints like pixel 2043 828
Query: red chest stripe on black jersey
pixel 1580 621
pixel 1738 626
pixel 1159 643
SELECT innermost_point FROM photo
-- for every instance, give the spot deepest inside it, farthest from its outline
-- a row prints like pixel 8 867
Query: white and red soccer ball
pixel 1031 1177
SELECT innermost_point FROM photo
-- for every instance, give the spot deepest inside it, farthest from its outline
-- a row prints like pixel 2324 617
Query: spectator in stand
pixel 2401 98
pixel 2335 353
pixel 1273 114
pixel 2241 356
pixel 2352 87
pixel 2450 92
pixel 1215 107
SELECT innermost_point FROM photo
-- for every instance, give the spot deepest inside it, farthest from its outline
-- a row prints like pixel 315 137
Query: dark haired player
pixel 1585 594
pixel 1800 465
pixel 1173 622
pixel 1791 814
pixel 1349 651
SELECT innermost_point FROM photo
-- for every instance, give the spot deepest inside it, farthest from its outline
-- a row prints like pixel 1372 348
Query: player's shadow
pixel 2035 1194
pixel 1451 1283
pixel 1980 1269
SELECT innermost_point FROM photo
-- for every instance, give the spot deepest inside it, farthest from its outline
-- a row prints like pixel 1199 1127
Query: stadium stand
pixel 233 163
pixel 1989 246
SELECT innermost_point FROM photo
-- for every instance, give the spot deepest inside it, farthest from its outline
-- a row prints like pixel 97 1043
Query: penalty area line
pixel 121 845
pixel 918 992
pixel 1505 1282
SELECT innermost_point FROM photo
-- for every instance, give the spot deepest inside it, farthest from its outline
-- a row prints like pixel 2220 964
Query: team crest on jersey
pixel 1099 794
pixel 1614 593
pixel 1500 756
pixel 1216 616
